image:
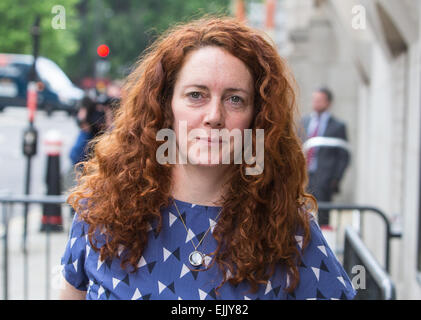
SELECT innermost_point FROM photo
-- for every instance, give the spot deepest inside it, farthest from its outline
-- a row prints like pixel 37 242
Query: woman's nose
pixel 214 114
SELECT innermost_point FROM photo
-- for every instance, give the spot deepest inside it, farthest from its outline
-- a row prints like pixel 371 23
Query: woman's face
pixel 213 90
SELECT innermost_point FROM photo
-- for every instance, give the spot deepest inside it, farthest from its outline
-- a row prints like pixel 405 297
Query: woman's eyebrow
pixel 195 86
pixel 203 87
pixel 238 89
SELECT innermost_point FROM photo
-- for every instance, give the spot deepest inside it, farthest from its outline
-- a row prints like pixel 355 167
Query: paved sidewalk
pixel 37 249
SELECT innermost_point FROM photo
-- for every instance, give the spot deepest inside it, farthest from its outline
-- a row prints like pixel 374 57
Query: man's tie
pixel 310 154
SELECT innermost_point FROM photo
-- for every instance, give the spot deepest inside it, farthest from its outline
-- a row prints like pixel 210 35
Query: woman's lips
pixel 210 140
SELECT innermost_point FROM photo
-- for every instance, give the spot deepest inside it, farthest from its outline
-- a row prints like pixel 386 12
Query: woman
pixel 196 229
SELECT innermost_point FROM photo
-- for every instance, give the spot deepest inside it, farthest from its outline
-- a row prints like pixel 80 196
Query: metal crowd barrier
pixel 7 202
pixel 377 283
pixel 363 210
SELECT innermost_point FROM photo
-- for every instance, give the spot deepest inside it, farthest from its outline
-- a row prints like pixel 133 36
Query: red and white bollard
pixel 52 217
pixel 31 100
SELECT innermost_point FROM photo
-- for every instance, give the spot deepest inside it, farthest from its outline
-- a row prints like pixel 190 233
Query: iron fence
pixel 8 202
pixel 389 235
pixel 377 284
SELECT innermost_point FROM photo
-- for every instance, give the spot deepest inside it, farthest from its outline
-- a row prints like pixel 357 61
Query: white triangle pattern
pixel 322 249
pixel 100 262
pixel 184 271
pixel 342 281
pixel 100 291
pixel 137 295
pixel 72 242
pixel 115 282
pixel 190 235
pixel 299 240
pixel 141 263
pixel 316 272
pixel 172 218
pixel 268 287
pixel 212 224
pixel 75 264
pixel 120 249
pixel 207 260
pixel 149 227
pixel 202 294
pixel 167 253
pixel 288 280
pixel 161 287
pixel 228 274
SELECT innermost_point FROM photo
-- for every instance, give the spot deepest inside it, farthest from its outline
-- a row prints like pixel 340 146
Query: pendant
pixel 196 258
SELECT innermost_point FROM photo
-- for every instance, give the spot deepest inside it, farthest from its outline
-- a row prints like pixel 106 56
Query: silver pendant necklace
pixel 196 258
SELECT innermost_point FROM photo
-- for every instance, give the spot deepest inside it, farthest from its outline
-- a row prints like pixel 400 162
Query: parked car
pixel 55 90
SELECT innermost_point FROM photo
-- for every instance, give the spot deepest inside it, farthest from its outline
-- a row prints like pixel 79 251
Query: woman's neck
pixel 198 184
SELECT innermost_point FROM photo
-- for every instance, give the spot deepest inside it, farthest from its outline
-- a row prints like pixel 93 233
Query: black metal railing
pixel 376 283
pixel 364 210
pixel 8 202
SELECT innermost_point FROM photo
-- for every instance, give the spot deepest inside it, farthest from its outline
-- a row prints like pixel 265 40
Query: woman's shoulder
pixel 321 274
pixel 80 228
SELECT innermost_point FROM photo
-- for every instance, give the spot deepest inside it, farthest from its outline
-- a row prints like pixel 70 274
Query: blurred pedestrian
pixel 326 165
pixel 94 117
pixel 200 230
pixel 87 119
pixel 108 105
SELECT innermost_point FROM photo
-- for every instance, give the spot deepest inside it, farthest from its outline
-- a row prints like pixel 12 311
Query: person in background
pixel 87 131
pixel 93 118
pixel 91 121
pixel 326 165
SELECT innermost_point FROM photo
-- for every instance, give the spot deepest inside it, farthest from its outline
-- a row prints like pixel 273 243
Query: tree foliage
pixel 129 26
pixel 18 16
pixel 126 26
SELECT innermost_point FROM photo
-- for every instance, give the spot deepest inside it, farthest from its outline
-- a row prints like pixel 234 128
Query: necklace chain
pixel 181 218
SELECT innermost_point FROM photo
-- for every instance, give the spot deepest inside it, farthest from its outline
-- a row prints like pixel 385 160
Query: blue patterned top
pixel 165 272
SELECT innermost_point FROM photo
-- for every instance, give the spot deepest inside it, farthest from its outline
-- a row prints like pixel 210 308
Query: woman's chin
pixel 206 162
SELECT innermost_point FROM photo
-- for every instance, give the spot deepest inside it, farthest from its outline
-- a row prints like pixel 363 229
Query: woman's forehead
pixel 214 67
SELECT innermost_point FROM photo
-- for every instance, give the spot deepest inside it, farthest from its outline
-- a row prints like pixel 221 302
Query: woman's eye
pixel 236 99
pixel 195 95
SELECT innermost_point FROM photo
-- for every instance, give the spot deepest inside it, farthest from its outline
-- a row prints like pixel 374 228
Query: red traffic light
pixel 103 50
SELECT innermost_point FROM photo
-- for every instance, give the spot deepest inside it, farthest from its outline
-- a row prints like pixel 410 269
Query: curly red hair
pixel 124 187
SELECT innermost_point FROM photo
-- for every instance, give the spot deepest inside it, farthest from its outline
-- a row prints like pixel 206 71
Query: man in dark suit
pixel 326 165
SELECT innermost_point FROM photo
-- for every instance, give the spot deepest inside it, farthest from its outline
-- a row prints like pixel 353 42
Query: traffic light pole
pixel 30 145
